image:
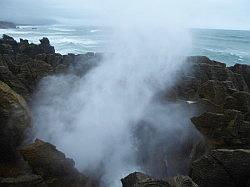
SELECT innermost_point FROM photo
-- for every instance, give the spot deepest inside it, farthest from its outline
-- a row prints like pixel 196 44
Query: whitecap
pixel 95 30
pixel 61 29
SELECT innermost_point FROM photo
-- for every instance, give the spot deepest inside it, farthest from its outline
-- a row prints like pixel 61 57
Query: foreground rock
pixel 222 99
pixel 52 165
pixel 22 66
pixel 222 168
pixel 23 181
pixel 141 180
pixel 14 122
pixel 228 130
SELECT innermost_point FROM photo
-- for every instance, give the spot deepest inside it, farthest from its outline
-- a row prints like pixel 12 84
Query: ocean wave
pixel 60 29
pixel 64 40
pixel 226 51
pixel 15 32
pixel 95 30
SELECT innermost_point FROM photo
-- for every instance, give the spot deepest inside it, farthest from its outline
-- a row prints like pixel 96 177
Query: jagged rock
pixel 187 88
pixel 30 73
pixel 7 60
pixel 67 59
pixel 30 62
pixel 14 121
pixel 57 170
pixel 23 181
pixel 54 59
pixel 228 130
pixel 141 180
pixel 182 181
pixel 205 72
pixel 9 43
pixel 21 59
pixel 204 105
pixel 205 77
pixel 204 60
pixel 137 179
pixel 238 81
pixel 161 157
pixel 85 62
pixel 45 46
pixel 244 70
pixel 6 49
pixel 239 101
pixel 32 50
pixel 222 168
pixel 23 45
pixel 12 81
pixel 216 91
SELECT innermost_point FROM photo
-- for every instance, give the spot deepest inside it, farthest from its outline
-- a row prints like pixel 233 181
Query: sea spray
pixel 93 118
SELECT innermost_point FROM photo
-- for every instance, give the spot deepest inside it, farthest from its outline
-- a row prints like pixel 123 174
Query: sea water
pixel 228 46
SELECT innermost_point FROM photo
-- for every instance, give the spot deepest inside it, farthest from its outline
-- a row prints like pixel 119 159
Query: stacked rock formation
pixel 22 66
pixel 219 94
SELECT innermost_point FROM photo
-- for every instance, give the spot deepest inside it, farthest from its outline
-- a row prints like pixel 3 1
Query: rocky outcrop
pixel 222 168
pixel 244 70
pixel 10 79
pixel 223 94
pixel 204 78
pixel 23 181
pixel 23 65
pixel 228 130
pixel 141 180
pixel 52 165
pixel 14 122
pixel 219 94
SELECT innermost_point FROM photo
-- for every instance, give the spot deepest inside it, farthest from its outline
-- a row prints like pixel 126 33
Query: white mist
pixel 91 119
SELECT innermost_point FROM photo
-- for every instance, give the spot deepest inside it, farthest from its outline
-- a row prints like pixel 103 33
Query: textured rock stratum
pixel 219 95
pixel 23 163
pixel 14 122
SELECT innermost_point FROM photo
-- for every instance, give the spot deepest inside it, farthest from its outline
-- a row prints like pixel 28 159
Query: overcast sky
pixel 228 14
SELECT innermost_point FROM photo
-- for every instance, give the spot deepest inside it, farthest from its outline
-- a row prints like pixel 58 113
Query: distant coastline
pixel 7 25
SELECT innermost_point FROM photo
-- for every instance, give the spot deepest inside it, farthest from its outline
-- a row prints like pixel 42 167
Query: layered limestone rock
pixel 222 168
pixel 14 121
pixel 23 65
pixel 219 94
pixel 52 165
pixel 141 180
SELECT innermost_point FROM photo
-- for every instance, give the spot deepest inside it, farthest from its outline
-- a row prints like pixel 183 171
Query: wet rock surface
pixel 24 64
pixel 141 180
pixel 14 122
pixel 219 95
pixel 52 165
pixel 23 163
pixel 222 167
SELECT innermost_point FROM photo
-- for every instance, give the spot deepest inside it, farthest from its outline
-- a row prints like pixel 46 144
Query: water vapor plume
pixel 98 119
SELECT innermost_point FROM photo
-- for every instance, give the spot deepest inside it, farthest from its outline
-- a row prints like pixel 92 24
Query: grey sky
pixel 232 14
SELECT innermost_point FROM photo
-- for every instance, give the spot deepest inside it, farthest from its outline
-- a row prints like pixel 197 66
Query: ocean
pixel 228 46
